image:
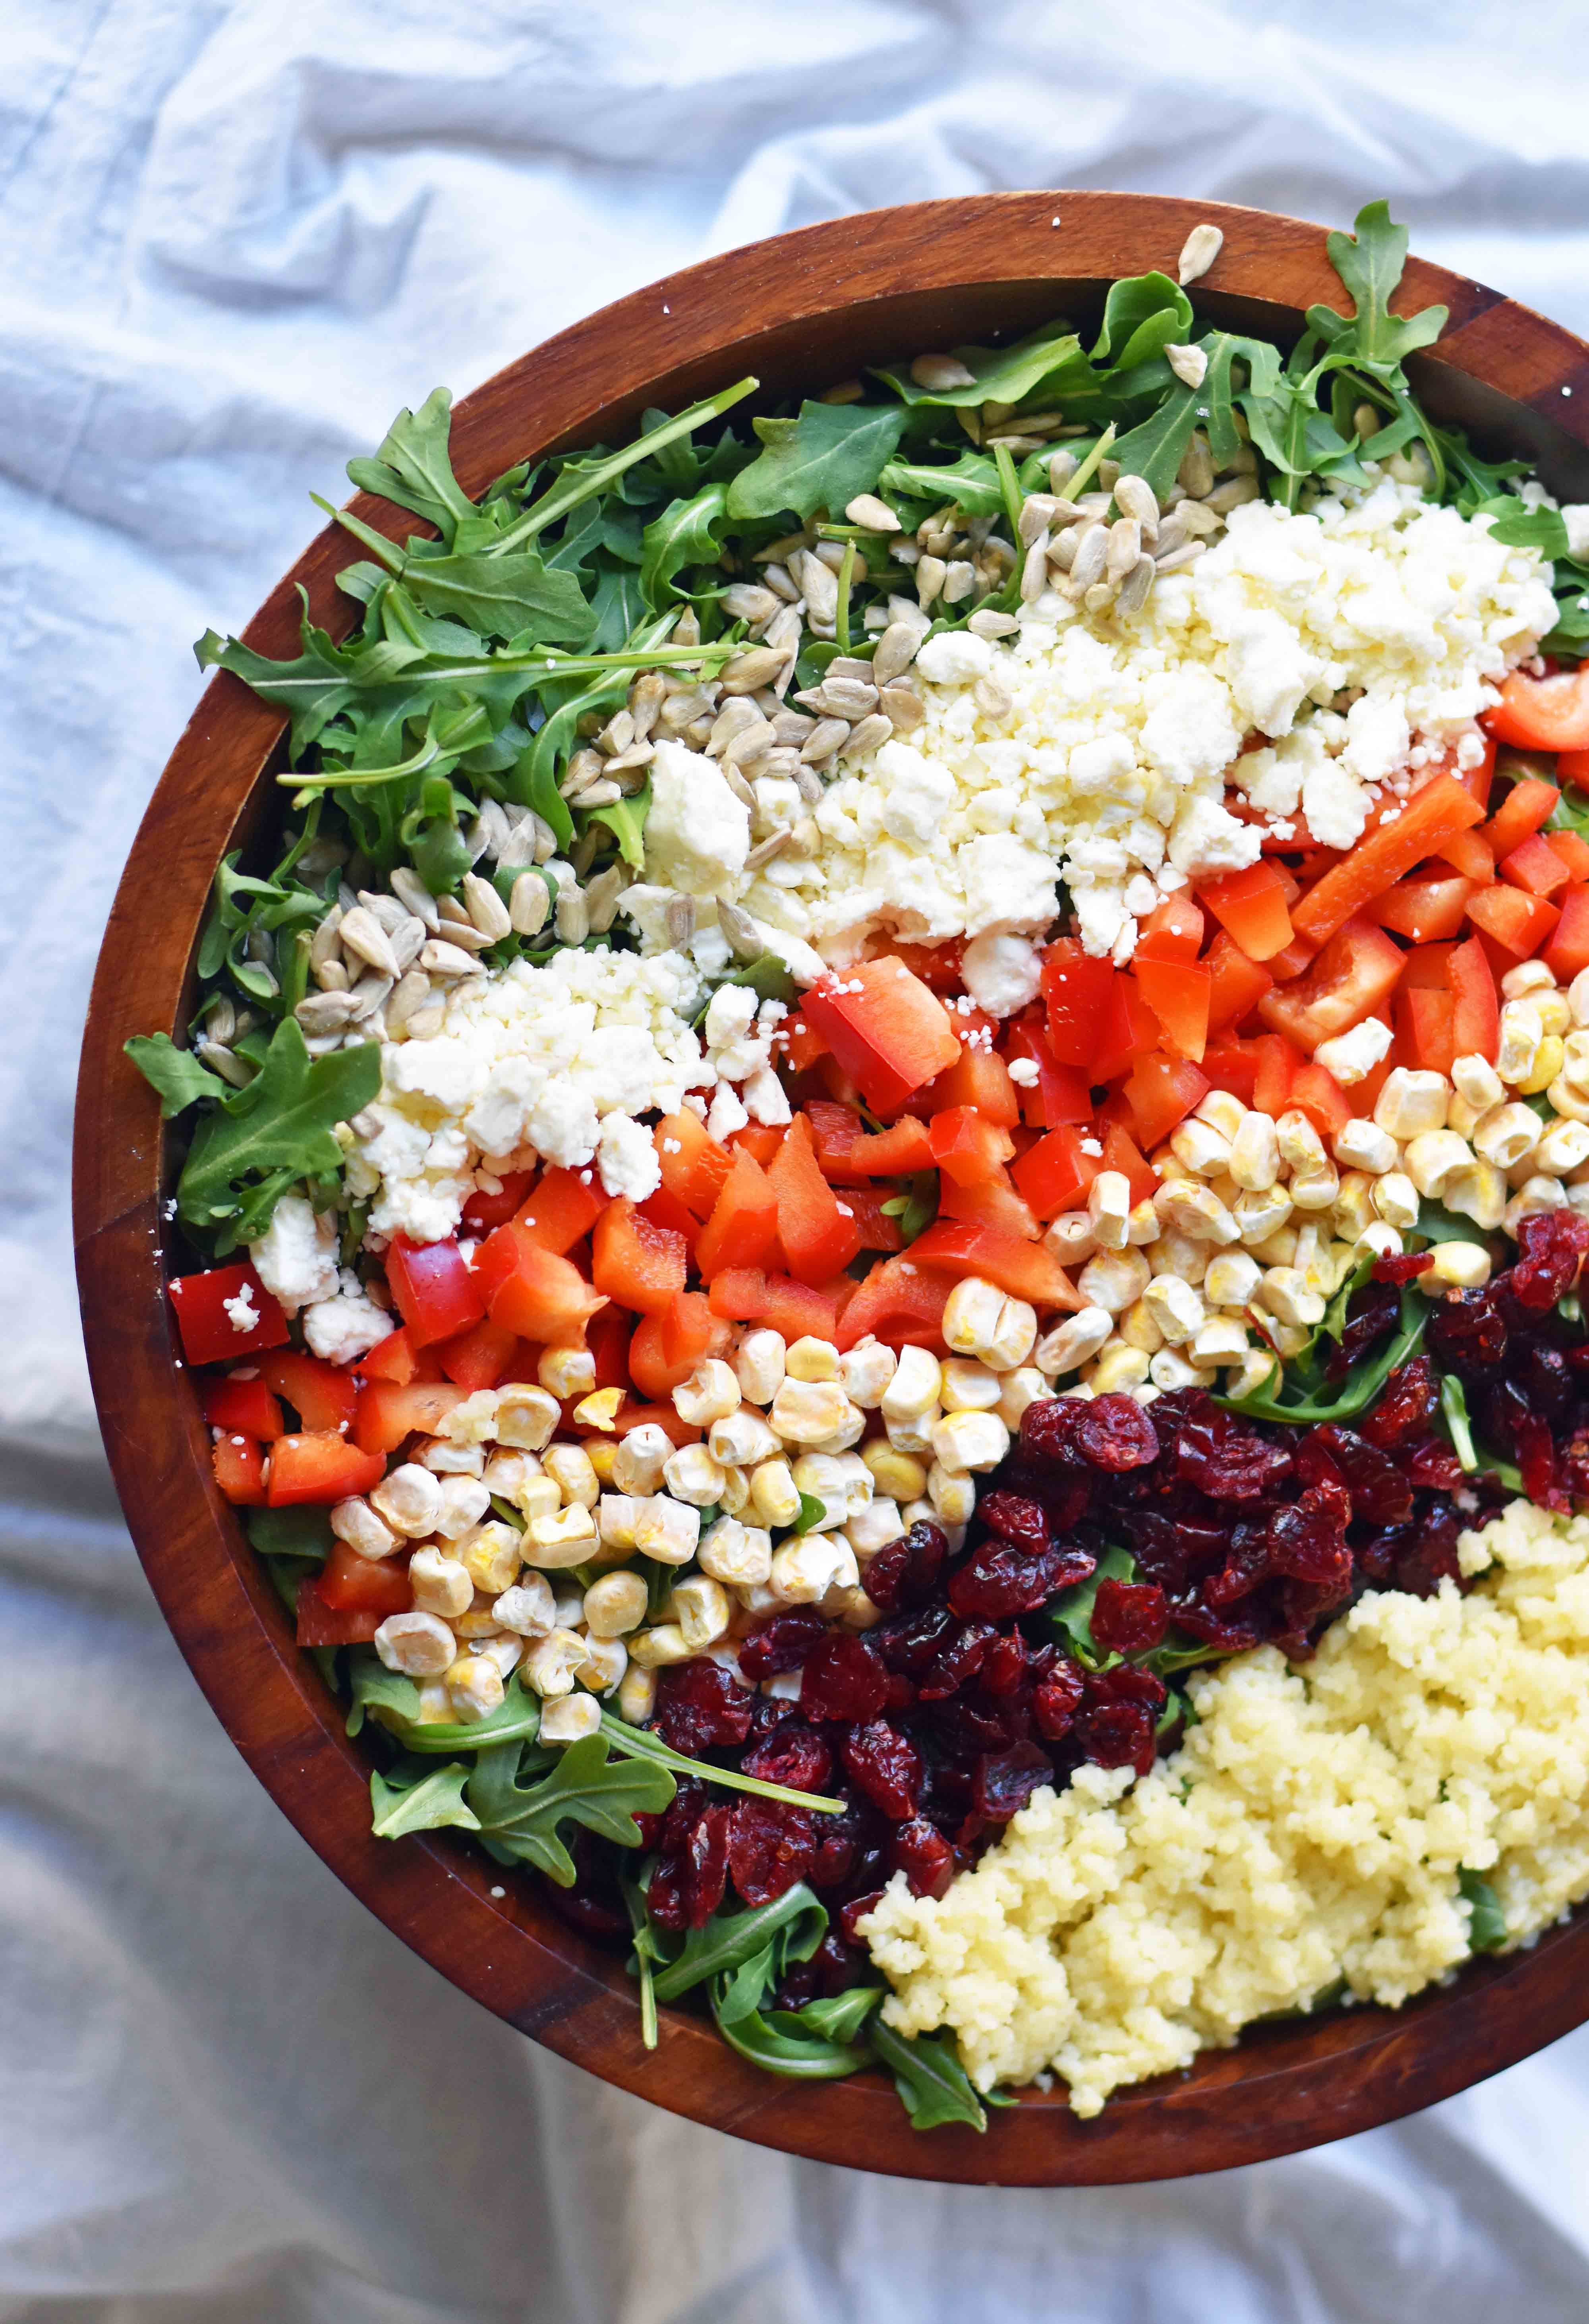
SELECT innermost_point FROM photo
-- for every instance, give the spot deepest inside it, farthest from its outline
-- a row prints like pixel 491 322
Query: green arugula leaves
pixel 585 1786
pixel 821 459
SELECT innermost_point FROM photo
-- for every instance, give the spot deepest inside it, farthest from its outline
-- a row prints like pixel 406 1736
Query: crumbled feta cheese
pixel 1001 973
pixel 626 1156
pixel 698 834
pixel 241 1312
pixel 296 1257
pixel 1575 515
pixel 345 1327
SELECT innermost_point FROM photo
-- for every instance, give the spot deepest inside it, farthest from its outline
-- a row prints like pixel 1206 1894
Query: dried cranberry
pixel 1050 1430
pixel 1553 1246
pixel 1124 1683
pixel 837 1965
pixel 855 1911
pixel 1405 1269
pixel 800 1984
pixel 688 1805
pixel 1371 1312
pixel 701 1707
pixel 1308 1540
pixel 998 1579
pixel 1170 1550
pixel 1433 1468
pixel 1405 1402
pixel 665 1899
pixel 1022 1521
pixel 1248 1565
pixel 1117 1735
pixel 1468 1333
pixel 1549 1384
pixel 1429 1554
pixel 1058 1699
pixel 1115 1434
pixel 886 1766
pixel 956 1662
pixel 909 1644
pixel 843 1677
pixel 1003 1781
pixel 705 1866
pixel 919 1850
pixel 1128 1617
pixel 770 1846
pixel 780 1644
pixel 904 1573
pixel 792 1756
pixel 1229 1634
pixel 1005 1664
pixel 1379 1490
pixel 837 1849
pixel 1226 1460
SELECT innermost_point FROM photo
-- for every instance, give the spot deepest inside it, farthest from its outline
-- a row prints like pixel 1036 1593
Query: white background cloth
pixel 237 238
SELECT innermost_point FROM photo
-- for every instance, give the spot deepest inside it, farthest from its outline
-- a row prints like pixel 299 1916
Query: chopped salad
pixel 907 1068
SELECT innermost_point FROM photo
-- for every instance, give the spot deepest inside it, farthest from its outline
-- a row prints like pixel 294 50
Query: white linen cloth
pixel 237 237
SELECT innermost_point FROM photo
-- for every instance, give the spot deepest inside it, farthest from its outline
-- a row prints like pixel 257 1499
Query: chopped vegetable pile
pixel 743 1381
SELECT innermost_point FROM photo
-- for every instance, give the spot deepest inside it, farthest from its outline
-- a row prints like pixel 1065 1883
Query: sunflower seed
pixel 1189 365
pixel 745 601
pixel 1018 447
pixel 959 580
pixel 414 896
pixel 362 933
pixel 766 849
pixel 809 783
pixel 929 578
pixel 1090 559
pixel 828 735
pixel 1125 545
pixel 1234 492
pixel 876 515
pixel 323 1043
pixel 528 904
pixel 896 650
pixel 687 629
pixel 680 918
pixel 783 636
pixel 1134 591
pixel 992 696
pixel 733 719
pixel 750 745
pixel 1198 251
pixel 220 1060
pixel 428 1021
pixel 747 671
pixel 971 423
pixel 582 855
pixel 779 765
pixel 782 583
pixel 991 622
pixel 738 786
pixel 600 897
pixel 1133 497
pixel 410 993
pixel 408 940
pixel 1366 420
pixel 870 734
pixel 1034 570
pixel 220 1020
pixel 485 907
pixel 840 697
pixel 384 909
pixel 332 976
pixel 745 940
pixel 819 584
pixel 936 373
pixel 571 916
pixel 617 734
pixel 1099 598
pixel 1196 469
pixel 1179 559
pixel 321 855
pixel 629 764
pixel 901 708
pixel 1195 518
pixel 1062 550
pixel 465 934
pixel 790 727
pixel 367 994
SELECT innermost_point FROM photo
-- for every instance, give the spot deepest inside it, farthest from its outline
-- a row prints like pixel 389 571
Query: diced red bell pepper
pixel 1054 1174
pixel 1076 989
pixel 1476 1027
pixel 896 1152
pixel 738 1293
pixel 1173 929
pixel 387 1413
pixel 1162 1091
pixel 319 1625
pixel 1250 905
pixel 1319 1096
pixel 965 1147
pixel 939 966
pixel 818 1238
pixel 663 1208
pixel 1179 993
pixel 238 1462
pixel 565 1205
pixel 1121 1153
pixel 992 1203
pixel 380 1584
pixel 1024 1269
pixel 536 1292
pixel 1297 958
pixel 640 1266
pixel 436 1294
pixel 1236 985
pixel 1543 713
pixel 1429 817
pixel 245 1406
pixel 759 1140
pixel 885 1029
pixel 695 1167
pixel 1423 1020
pixel 1131 1030
pixel 1427 907
pixel 798 1309
pixel 898 1302
pixel 876 1229
pixel 1520 925
pixel 1566 955
pixel 1470 853
pixel 1425 967
pixel 649 1367
pixel 1535 866
pixel 1277 1063
pixel 207 1332
pixel 833 1132
pixel 979 1079
pixel 1573 852
pixel 395 1358
pixel 802 1044
pixel 1233 1066
pixel 689 1328
pixel 1359 968
pixel 607 1336
pixel 483 1212
pixel 479 1356
pixel 321 1395
pixel 743 1229
pixel 1060 1092
pixel 317 1466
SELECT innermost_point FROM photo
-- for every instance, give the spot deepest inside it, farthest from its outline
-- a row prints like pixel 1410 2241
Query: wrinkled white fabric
pixel 237 237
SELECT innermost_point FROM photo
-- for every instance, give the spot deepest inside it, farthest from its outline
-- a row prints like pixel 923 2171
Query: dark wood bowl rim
pixel 782 306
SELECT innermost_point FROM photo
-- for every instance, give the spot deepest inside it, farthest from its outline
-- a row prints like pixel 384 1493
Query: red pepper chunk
pixel 819 1238
pixel 319 1467
pixel 436 1294
pixel 1075 994
pixel 634 1261
pixel 208 1333
pixel 889 1033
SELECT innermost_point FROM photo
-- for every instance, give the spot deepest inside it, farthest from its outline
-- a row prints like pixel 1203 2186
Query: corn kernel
pixel 1176 1307
pixel 1114 1280
pixel 1231 1279
pixel 1432 1157
pixel 759 1365
pixel 1459 1266
pixel 637 1696
pixel 812 1359
pixel 475 1683
pixel 914 1388
pixel 952 1494
pixel 1075 1341
pixel 492 1556
pixel 568 1466
pixel 774 1495
pixel 549 1663
pixel 1138 1329
pixel 969 1440
pixel 528 1609
pixel 872 1527
pixel 1255 1154
pixel 737 1555
pixel 616 1604
pixel 1548 1060
pixel 566 1372
pixel 1018 1389
pixel 968 1386
pixel 710 1393
pixel 441 1584
pixel 1118 1368
pixel 1222 1111
pixel 702 1610
pixel 526 1418
pixel 866 1370
pixel 659 1648
pixel 667 1531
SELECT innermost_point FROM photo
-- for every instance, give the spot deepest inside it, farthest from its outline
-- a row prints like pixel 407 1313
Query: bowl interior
pixel 801 313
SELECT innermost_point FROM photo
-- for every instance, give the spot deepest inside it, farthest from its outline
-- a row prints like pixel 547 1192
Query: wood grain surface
pixel 801 311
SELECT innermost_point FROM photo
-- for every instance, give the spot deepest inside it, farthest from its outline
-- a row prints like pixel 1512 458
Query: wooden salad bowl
pixel 801 311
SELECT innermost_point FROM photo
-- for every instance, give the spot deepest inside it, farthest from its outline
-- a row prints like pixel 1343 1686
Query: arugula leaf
pixel 971 482
pixel 583 1788
pixel 1265 1403
pixel 262 1140
pixel 1071 1613
pixel 639 1743
pixel 780 2043
pixel 1370 265
pixel 933 2085
pixel 688 532
pixel 1454 1411
pixel 302 1532
pixel 812 1513
pixel 1155 450
pixel 1046 358
pixel 584 478
pixel 840 2016
pixel 917 1207
pixel 626 819
pixel 413 466
pixel 793 1925
pixel 394 1700
pixel 1142 315
pixel 435 1800
pixel 1486 1918
pixel 176 1074
pixel 515 597
pixel 821 459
